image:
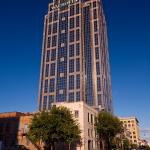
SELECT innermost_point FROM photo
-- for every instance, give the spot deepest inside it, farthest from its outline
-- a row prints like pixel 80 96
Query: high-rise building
pixel 75 57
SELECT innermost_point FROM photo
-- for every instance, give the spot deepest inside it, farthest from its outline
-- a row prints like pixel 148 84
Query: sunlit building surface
pixel 75 58
pixel 132 125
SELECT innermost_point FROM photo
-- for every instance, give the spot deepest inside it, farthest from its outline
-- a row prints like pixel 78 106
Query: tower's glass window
pixel 71 51
pixel 52 85
pixel 52 69
pixel 49 29
pixel 44 102
pixel 97 53
pixel 78 49
pixel 78 81
pixel 98 84
pixel 55 27
pixel 96 39
pixel 94 4
pixel 54 39
pixel 71 97
pixel 78 64
pixel 95 14
pixel 71 10
pixel 46 86
pixel 55 15
pixel 71 36
pixel 98 68
pixel 71 65
pixel 50 17
pixel 99 99
pixel 71 82
pixel 71 23
pixel 48 56
pixel 77 9
pixel 53 55
pixel 95 26
pixel 77 96
pixel 77 21
pixel 77 35
pixel 47 70
pixel 51 100
pixel 48 42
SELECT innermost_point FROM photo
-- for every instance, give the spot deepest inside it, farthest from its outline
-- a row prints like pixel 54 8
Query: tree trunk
pixel 69 146
pixel 107 144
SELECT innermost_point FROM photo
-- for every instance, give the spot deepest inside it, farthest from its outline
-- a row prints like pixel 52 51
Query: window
pixel 50 17
pixel 55 27
pixel 25 130
pixel 52 85
pixel 54 39
pixel 71 97
pixel 97 53
pixel 88 117
pixel 99 99
pixel 95 14
pixel 51 100
pixel 71 82
pixel 89 132
pixel 53 55
pixel 55 15
pixel 77 9
pixel 94 4
pixel 76 114
pixel 71 36
pixel 49 29
pixel 71 66
pixel 96 39
pixel 71 10
pixel 77 21
pixel 95 26
pixel 77 35
pixel 91 118
pixel 48 56
pixel 78 49
pixel 44 102
pixel 78 64
pixel 48 42
pixel 71 52
pixel 71 23
pixel 47 70
pixel 78 96
pixel 97 68
pixel 78 81
pixel 98 84
pixel 46 86
pixel 52 72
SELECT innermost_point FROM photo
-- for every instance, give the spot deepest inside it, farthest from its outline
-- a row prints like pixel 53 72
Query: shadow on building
pixel 9 125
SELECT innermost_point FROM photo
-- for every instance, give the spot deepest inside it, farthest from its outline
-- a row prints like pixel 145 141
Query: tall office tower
pixel 75 58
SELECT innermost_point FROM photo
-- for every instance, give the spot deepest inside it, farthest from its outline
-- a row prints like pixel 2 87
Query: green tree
pixel 107 127
pixel 55 126
pixel 126 144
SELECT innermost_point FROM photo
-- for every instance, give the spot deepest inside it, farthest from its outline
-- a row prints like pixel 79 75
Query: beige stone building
pixel 86 118
pixel 132 125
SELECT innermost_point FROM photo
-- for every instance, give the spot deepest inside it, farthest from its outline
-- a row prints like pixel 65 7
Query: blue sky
pixel 21 28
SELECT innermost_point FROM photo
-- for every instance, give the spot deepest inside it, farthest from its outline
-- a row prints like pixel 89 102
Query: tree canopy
pixel 58 125
pixel 107 127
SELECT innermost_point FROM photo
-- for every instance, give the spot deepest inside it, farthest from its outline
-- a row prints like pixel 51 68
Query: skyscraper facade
pixel 75 57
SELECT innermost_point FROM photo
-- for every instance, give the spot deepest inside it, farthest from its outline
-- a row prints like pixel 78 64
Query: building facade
pixel 75 58
pixel 132 125
pixel 85 115
pixel 9 124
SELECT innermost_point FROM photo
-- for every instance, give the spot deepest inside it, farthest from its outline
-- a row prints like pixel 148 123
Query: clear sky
pixel 21 27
